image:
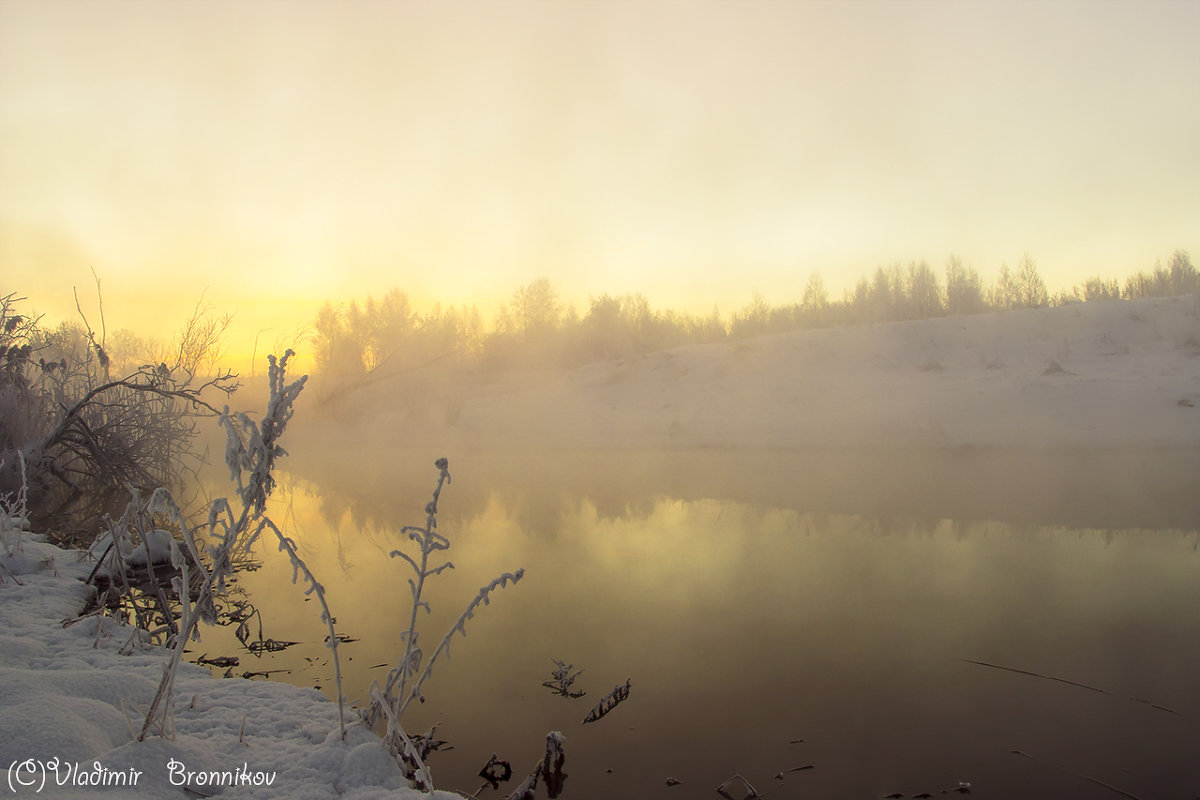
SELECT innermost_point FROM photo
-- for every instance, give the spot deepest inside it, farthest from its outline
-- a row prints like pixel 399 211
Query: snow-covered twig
pixel 459 626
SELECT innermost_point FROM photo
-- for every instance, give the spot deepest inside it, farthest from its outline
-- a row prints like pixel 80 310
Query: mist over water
pixel 747 622
pixel 896 554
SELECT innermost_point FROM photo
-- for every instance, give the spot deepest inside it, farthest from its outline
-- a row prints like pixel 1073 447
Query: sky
pixel 266 156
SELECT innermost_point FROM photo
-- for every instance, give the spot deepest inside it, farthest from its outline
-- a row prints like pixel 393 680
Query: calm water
pixel 760 636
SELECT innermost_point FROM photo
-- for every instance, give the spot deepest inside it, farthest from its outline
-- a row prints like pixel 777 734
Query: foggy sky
pixel 278 153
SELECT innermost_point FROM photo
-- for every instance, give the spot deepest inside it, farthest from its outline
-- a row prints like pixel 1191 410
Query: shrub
pixel 87 437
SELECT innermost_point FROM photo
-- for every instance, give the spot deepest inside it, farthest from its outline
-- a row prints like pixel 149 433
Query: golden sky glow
pixel 277 153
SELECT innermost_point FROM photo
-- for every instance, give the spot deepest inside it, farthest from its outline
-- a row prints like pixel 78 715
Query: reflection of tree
pixel 539 514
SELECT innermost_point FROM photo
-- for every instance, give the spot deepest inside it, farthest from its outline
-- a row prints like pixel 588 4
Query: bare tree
pixel 1030 288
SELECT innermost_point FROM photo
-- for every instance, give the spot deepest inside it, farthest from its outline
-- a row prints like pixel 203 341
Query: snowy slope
pixel 1094 374
pixel 66 694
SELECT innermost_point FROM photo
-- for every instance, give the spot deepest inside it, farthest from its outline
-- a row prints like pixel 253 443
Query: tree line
pixel 536 328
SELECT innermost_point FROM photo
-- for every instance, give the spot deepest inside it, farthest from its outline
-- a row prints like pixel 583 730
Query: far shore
pixel 1086 415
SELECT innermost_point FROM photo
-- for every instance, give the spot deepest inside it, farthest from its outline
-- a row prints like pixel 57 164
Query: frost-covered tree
pixel 1030 288
pixel 1065 297
pixel 1184 278
pixel 1004 294
pixel 536 310
pixel 752 320
pixel 858 301
pixel 706 329
pixel 1097 288
pixel 964 288
pixel 814 304
pixel 881 299
pixel 924 295
pixel 336 349
pixel 390 325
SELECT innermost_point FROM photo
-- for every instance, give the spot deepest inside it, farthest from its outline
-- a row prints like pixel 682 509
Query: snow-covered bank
pixel 1123 373
pixel 70 704
pixel 1120 373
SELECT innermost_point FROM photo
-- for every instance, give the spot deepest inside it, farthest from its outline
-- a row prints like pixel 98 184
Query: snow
pixel 69 698
pixel 154 549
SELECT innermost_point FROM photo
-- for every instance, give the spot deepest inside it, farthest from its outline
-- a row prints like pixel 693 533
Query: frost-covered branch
pixel 252 447
pixel 314 587
pixel 459 626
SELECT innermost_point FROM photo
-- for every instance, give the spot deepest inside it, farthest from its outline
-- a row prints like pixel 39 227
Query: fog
pixel 1080 415
pixel 879 539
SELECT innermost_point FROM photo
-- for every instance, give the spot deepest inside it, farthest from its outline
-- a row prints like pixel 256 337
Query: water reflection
pixel 761 637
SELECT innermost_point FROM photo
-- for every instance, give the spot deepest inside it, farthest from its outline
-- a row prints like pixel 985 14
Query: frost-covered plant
pixel 288 546
pixel 252 448
pixel 14 510
pixel 250 455
pixel 113 547
pixel 14 518
pixel 403 684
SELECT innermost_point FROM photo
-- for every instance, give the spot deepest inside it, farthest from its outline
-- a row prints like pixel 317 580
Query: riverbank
pixel 70 703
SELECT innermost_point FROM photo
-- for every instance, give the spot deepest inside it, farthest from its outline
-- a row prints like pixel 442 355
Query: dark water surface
pixel 764 632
